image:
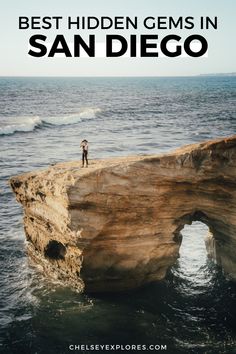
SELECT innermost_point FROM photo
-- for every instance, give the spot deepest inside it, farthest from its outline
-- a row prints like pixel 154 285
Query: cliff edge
pixel 117 224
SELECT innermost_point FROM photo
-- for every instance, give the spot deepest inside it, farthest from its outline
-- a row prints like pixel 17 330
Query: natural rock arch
pixel 209 237
pixel 120 220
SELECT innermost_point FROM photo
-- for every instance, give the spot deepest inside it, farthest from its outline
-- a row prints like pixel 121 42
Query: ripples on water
pixel 42 121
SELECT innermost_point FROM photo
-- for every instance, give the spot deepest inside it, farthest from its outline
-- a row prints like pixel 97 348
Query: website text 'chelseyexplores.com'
pixel 117 347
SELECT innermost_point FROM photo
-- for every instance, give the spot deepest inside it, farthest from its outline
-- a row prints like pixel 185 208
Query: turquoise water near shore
pixel 42 121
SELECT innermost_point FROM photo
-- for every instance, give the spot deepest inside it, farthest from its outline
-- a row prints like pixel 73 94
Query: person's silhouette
pixel 84 146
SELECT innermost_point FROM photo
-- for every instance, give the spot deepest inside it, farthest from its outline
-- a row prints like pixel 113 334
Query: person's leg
pixel 86 157
pixel 83 159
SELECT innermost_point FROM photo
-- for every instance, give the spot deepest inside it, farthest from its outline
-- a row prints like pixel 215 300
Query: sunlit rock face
pixel 116 225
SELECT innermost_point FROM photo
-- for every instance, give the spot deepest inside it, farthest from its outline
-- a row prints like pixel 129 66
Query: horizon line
pixel 118 76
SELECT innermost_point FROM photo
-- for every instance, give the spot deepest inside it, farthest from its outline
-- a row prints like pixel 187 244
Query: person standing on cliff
pixel 84 146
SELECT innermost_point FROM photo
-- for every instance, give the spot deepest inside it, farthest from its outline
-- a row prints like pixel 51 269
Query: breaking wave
pixel 10 126
pixel 20 124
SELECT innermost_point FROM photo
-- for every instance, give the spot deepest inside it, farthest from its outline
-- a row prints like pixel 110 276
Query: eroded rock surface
pixel 116 225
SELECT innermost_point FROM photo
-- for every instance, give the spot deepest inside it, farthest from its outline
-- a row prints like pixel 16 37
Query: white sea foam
pixel 87 113
pixel 19 124
pixel 12 125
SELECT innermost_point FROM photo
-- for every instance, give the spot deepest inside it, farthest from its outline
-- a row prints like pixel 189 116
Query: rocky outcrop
pixel 116 225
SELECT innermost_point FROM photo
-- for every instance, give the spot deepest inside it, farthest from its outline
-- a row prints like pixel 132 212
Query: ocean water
pixel 42 121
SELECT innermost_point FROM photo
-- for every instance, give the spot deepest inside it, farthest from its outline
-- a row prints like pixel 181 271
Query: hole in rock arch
pixel 193 254
pixel 55 250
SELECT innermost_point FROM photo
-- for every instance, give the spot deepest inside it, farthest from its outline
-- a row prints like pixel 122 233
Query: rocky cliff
pixel 116 225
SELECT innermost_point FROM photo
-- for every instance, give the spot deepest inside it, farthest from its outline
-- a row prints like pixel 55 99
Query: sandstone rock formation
pixel 116 225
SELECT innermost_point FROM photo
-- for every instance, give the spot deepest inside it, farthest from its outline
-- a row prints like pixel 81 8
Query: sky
pixel 14 60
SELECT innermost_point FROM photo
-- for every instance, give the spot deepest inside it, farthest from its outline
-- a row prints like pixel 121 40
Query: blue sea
pixel 42 121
